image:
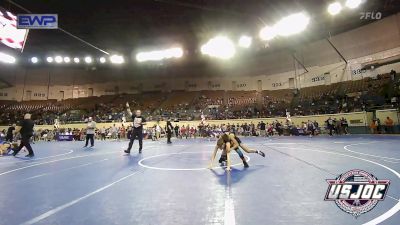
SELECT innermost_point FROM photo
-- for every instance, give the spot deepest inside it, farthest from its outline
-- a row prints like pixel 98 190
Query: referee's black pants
pixel 136 135
pixel 91 138
pixel 169 135
pixel 25 143
pixel 9 138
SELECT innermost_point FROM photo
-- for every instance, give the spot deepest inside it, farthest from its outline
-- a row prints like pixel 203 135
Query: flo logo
pixel 356 191
pixel 370 16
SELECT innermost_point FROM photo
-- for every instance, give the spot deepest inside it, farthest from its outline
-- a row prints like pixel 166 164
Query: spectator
pixel 389 125
pixel 345 125
pixel 263 129
pixel 10 133
pixel 331 125
pixel 373 127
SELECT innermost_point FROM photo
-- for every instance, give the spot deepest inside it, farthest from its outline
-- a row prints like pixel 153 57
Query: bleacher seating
pixel 338 97
pixel 178 100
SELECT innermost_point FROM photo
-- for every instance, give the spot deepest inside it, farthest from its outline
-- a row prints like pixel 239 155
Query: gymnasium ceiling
pixel 128 26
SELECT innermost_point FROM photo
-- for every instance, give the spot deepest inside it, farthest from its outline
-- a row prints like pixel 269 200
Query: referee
pixel 90 130
pixel 26 130
pixel 137 129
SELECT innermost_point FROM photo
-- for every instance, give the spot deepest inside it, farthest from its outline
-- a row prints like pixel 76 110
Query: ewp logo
pixel 37 21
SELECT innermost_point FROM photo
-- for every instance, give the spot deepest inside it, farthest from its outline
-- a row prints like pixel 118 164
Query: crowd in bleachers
pixel 349 96
pixel 195 130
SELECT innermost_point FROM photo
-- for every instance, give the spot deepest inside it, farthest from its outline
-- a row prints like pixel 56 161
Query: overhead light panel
pixel 58 59
pixel 88 59
pixel 117 59
pixel 34 60
pixel 219 47
pixel 159 55
pixel 267 33
pixel 292 24
pixel 67 59
pixel 352 4
pixel 334 8
pixel 5 58
pixel 245 41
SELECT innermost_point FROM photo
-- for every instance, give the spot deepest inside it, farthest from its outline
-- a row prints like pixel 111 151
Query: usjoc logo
pixel 356 191
pixel 37 21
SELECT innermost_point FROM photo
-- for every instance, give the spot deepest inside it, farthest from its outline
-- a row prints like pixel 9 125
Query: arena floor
pixel 169 184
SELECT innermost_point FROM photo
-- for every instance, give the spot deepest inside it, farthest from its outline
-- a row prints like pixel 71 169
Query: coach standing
pixel 137 128
pixel 26 130
pixel 90 130
pixel 170 128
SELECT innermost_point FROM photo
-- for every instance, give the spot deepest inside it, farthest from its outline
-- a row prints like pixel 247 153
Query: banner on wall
pixel 63 137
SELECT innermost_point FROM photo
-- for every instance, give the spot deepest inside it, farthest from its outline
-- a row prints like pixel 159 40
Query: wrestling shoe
pixel 245 164
pixel 127 151
pixel 30 155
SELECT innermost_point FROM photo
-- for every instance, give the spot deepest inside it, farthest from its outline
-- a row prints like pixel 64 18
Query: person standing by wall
pixel 311 128
pixel 378 126
pixel 373 126
pixel 114 132
pixel 123 131
pixel 345 125
pixel 10 133
pixel 137 129
pixel 338 126
pixel 158 132
pixel 90 130
pixel 263 129
pixel 176 128
pixel 25 128
pixel 389 125
pixel 331 125
pixel 103 134
pixel 170 128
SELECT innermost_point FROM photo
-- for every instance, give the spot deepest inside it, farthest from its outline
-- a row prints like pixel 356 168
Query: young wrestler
pixel 224 144
pixel 6 147
pixel 235 144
